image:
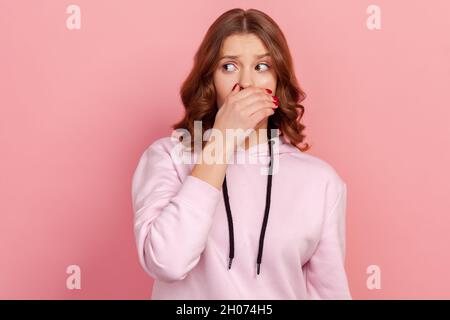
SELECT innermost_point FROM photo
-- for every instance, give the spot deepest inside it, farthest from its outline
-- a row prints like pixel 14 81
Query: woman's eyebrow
pixel 259 56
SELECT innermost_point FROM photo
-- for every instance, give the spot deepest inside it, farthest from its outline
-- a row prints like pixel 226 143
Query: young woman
pixel 225 230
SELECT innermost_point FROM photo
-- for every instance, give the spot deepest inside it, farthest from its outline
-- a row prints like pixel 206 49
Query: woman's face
pixel 243 61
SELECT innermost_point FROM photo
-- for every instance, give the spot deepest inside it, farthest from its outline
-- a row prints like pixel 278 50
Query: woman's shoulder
pixel 315 166
pixel 162 157
pixel 168 149
pixel 319 174
pixel 163 143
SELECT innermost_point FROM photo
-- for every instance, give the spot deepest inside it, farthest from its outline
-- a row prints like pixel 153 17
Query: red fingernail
pixel 268 91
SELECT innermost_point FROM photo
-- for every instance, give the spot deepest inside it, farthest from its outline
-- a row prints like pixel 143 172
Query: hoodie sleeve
pixel 325 272
pixel 172 218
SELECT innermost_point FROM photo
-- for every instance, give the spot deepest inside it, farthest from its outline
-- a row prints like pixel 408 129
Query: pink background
pixel 78 107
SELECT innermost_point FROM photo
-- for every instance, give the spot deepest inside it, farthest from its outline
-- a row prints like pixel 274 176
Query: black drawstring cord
pixel 230 221
pixel 266 211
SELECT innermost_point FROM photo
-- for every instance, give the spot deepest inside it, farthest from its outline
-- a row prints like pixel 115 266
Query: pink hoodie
pixel 183 239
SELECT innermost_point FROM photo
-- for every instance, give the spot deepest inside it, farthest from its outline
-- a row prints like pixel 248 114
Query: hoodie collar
pixel 281 146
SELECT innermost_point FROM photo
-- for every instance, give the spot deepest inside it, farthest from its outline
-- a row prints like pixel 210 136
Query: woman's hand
pixel 244 109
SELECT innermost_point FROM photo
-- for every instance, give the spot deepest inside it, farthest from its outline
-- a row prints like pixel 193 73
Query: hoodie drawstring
pixel 266 211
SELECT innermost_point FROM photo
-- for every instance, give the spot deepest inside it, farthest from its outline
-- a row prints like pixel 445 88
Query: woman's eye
pixel 264 64
pixel 225 66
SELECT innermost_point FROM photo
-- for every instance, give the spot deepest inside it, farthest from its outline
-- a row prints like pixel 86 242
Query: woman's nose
pixel 246 78
pixel 246 85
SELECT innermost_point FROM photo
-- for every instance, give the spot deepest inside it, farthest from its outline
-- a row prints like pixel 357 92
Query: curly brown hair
pixel 198 93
